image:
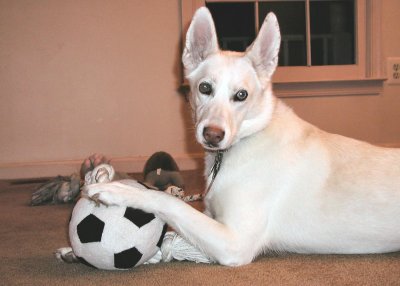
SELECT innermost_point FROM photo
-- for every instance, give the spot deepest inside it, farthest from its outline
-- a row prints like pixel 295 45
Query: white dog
pixel 282 184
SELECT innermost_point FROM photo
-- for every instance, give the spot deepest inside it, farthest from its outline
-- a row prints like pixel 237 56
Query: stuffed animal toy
pixel 161 171
pixel 114 237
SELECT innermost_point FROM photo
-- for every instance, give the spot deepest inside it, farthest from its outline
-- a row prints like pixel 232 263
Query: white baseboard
pixel 39 169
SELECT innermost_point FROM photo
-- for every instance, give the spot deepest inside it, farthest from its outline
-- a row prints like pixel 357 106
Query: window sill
pixel 369 86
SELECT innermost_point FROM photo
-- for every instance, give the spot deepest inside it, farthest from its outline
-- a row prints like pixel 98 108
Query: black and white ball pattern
pixel 114 237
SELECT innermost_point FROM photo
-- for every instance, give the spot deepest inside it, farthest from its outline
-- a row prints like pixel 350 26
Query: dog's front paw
pixel 111 194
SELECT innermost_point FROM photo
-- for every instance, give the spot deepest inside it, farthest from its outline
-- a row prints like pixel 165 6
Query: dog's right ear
pixel 201 40
pixel 264 51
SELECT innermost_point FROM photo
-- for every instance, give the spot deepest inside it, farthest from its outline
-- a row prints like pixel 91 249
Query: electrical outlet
pixel 393 70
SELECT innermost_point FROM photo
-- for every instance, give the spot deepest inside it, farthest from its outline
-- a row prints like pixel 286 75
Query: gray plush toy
pixel 161 171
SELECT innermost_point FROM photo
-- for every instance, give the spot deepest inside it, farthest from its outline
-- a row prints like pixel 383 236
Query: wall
pixel 78 77
pixel 375 119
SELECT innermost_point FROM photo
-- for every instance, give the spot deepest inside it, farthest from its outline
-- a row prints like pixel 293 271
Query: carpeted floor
pixel 29 235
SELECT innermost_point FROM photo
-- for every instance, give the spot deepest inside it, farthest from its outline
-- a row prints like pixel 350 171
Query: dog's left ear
pixel 265 49
pixel 201 40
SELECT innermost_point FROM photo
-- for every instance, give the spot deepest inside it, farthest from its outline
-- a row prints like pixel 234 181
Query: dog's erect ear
pixel 265 49
pixel 201 40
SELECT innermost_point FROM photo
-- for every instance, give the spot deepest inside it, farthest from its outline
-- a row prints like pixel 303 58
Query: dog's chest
pixel 242 185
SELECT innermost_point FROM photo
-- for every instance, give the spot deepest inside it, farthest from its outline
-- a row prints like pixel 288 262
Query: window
pixel 323 41
pixel 331 29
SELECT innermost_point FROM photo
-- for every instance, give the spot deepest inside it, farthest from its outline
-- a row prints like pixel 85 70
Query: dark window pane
pixel 332 32
pixel 292 21
pixel 235 24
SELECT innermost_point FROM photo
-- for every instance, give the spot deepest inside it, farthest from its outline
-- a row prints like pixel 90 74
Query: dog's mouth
pixel 212 148
pixel 209 147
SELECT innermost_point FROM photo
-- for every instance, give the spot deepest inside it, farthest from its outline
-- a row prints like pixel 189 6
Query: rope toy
pixel 180 193
pixel 176 247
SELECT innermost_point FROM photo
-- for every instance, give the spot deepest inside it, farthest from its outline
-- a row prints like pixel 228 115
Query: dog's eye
pixel 205 88
pixel 241 95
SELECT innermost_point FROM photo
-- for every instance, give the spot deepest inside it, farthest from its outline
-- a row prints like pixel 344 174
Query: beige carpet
pixel 29 235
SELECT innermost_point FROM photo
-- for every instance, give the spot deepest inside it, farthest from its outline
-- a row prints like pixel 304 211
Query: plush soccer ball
pixel 114 238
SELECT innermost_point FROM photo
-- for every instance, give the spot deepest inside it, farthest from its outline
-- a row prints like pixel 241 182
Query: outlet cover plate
pixel 393 70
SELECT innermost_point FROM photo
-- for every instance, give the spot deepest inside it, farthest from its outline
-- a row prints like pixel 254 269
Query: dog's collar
pixel 216 167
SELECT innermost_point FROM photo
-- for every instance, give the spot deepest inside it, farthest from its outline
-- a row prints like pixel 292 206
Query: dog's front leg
pixel 219 241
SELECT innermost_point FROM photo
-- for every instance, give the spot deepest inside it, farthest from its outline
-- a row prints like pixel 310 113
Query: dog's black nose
pixel 213 135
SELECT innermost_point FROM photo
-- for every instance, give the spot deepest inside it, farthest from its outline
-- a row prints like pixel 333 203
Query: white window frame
pixel 365 77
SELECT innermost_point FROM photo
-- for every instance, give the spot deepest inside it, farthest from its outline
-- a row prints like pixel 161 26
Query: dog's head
pixel 231 94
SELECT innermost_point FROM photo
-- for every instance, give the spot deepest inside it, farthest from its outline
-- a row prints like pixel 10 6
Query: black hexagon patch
pixel 90 229
pixel 127 258
pixel 138 217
